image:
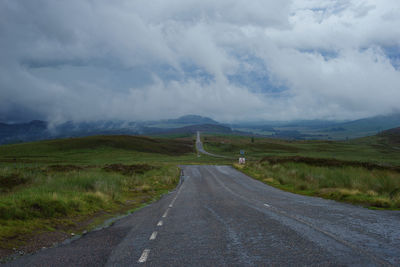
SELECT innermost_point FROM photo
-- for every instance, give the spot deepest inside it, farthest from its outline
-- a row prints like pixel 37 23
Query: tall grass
pixel 374 188
pixel 45 196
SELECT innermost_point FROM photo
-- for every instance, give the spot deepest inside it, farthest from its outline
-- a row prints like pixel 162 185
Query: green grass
pixel 44 197
pixel 373 149
pixel 372 188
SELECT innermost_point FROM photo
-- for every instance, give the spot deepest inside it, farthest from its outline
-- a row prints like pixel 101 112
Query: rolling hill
pixel 392 135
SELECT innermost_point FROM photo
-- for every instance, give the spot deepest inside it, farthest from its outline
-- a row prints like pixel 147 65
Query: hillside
pixel 393 135
pixel 72 146
pixel 371 125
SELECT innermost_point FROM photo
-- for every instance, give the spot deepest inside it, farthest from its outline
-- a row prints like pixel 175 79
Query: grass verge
pixel 56 199
pixel 376 188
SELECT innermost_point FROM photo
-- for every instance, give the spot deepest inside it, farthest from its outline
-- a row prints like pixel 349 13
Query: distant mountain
pixel 40 130
pixel 362 127
pixel 320 129
pixel 204 128
pixel 373 124
pixel 23 132
pixel 296 135
pixel 192 129
pixel 76 129
pixel 32 126
pixel 192 119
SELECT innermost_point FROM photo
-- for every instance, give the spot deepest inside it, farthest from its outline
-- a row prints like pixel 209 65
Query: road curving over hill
pixel 200 148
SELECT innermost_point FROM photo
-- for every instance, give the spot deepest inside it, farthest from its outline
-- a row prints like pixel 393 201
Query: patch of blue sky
pixel 326 54
pixel 328 8
pixel 166 72
pixel 256 83
pixel 318 9
pixel 193 71
pixel 393 53
pixel 256 78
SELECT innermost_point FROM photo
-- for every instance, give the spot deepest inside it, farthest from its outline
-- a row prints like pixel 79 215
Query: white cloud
pixel 156 59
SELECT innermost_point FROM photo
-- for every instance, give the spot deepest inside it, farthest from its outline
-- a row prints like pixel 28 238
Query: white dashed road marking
pixel 173 201
pixel 146 252
pixel 144 256
pixel 153 236
pixel 165 214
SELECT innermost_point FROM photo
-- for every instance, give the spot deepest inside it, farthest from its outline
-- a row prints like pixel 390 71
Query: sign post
pixel 242 159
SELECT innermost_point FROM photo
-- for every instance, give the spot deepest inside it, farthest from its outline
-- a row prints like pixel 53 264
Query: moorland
pixel 54 189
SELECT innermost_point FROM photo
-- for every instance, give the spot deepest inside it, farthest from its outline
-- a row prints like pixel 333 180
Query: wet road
pixel 221 217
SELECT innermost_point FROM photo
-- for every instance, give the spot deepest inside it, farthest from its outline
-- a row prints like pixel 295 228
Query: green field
pixel 65 186
pixel 374 149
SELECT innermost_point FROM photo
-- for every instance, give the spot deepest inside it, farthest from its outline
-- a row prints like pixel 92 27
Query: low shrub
pixel 10 181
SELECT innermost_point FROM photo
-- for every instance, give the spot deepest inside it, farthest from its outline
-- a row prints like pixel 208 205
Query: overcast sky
pixel 227 59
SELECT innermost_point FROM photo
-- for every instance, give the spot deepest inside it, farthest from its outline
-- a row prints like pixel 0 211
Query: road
pixel 200 149
pixel 218 216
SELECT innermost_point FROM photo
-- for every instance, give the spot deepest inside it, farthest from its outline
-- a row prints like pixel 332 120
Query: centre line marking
pixel 267 205
pixel 144 256
pixel 153 235
pixel 165 214
pixel 160 223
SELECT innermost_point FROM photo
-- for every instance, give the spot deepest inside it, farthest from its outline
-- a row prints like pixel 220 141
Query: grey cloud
pixel 86 60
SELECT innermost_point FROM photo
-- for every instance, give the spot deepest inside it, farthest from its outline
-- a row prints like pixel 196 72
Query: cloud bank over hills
pixel 231 60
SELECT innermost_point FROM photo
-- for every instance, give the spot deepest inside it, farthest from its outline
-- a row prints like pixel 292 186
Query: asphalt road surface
pixel 200 149
pixel 218 216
